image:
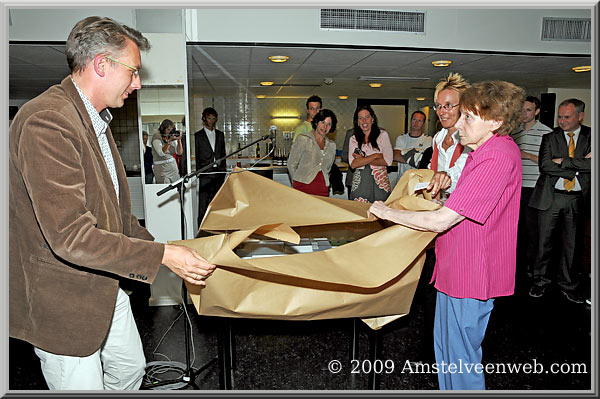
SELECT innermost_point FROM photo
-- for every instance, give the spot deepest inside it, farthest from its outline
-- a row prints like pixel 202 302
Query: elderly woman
pixel 312 155
pixel 370 153
pixel 164 146
pixel 476 248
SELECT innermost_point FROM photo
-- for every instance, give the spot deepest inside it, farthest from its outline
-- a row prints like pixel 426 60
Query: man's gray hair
pixel 97 35
pixel 577 103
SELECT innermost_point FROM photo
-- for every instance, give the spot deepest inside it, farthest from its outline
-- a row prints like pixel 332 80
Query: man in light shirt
pixel 313 106
pixel 409 147
pixel 529 137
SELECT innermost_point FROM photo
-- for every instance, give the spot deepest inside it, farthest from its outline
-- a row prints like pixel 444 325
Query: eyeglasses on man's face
pixel 447 107
pixel 134 70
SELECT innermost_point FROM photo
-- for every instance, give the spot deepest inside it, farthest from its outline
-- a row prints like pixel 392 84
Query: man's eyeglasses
pixel 135 71
pixel 447 107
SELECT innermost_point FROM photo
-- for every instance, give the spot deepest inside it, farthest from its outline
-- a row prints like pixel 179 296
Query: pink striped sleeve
pixel 478 193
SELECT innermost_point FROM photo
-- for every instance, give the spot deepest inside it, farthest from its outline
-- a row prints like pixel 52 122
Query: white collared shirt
pixel 560 183
pixel 445 157
pixel 100 123
pixel 211 134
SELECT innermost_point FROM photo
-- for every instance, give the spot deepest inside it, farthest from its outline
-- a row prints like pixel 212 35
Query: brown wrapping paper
pixel 373 276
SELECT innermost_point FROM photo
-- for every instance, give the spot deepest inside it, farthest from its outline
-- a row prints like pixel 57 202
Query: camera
pixel 175 133
pixel 358 151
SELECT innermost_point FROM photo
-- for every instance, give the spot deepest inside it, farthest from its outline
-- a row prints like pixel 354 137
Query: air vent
pixel 567 29
pixel 375 20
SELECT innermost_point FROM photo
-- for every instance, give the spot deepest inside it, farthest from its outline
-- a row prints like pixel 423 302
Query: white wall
pixel 454 28
pixel 165 63
pixel 56 24
pixel 461 29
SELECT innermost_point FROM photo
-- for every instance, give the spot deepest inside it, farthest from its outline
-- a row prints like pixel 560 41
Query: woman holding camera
pixel 370 153
pixel 165 143
pixel 312 155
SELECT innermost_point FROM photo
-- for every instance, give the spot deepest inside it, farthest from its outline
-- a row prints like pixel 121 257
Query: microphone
pixel 273 134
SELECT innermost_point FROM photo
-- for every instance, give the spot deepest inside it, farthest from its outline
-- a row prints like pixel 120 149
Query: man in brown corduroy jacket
pixel 72 233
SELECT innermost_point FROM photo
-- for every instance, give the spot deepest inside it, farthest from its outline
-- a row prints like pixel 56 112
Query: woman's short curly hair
pixel 495 100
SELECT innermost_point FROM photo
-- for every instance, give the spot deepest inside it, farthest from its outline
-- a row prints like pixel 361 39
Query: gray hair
pixel 577 103
pixel 95 35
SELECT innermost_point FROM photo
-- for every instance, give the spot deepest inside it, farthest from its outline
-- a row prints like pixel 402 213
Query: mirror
pixel 161 106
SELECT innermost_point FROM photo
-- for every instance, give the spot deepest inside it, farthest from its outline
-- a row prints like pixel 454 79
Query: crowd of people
pixel 500 174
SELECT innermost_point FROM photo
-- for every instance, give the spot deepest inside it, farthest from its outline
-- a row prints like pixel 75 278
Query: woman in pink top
pixel 370 153
pixel 476 248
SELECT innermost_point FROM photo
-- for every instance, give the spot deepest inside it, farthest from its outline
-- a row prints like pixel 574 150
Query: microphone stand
pixel 189 374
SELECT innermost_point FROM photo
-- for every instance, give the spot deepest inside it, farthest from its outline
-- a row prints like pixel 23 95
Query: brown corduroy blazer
pixel 70 239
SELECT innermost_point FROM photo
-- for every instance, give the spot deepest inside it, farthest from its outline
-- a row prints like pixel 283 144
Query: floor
pixel 283 355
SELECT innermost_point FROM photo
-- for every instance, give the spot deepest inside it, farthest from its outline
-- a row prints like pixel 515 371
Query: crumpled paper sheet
pixel 373 278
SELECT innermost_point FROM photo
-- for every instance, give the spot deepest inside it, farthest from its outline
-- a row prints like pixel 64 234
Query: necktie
pixel 569 184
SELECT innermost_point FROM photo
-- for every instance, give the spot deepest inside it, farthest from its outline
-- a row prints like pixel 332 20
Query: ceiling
pixel 229 71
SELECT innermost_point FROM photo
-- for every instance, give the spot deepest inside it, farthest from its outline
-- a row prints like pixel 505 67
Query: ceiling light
pixel 420 98
pixel 375 84
pixel 266 83
pixel 261 96
pixel 279 58
pixel 343 97
pixel 441 63
pixel 583 68
pixel 397 78
pixel 285 117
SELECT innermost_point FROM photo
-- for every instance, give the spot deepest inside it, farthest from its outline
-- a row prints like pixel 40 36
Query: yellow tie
pixel 569 184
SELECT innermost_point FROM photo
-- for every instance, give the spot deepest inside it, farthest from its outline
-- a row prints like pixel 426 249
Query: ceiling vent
pixel 375 20
pixel 567 29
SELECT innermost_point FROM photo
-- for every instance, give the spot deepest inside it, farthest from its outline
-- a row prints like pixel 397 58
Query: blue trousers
pixel 458 331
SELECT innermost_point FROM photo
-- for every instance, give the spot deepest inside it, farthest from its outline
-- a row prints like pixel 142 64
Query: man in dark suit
pixel 560 196
pixel 210 146
pixel 72 233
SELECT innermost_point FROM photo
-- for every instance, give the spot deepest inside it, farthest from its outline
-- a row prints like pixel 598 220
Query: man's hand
pixel 187 264
pixel 398 156
pixel 589 155
pixel 557 160
pixel 439 181
pixel 531 157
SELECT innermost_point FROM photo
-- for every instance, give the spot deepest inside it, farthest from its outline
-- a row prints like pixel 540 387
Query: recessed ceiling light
pixel 583 68
pixel 279 58
pixel 266 83
pixel 261 96
pixel 375 84
pixel 285 117
pixel 395 78
pixel 343 97
pixel 420 98
pixel 441 63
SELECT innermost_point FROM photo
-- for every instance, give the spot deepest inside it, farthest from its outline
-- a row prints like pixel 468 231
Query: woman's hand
pixel 378 209
pixel 439 181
